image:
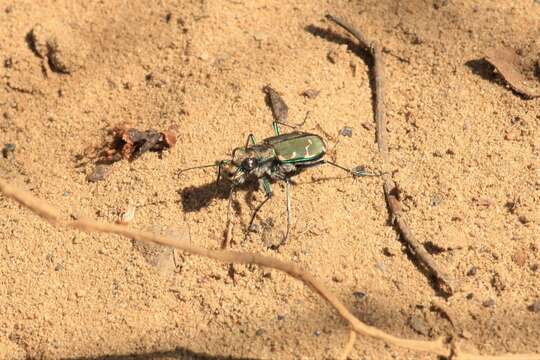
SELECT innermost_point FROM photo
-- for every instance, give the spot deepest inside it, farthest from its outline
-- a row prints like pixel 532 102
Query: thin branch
pixel 53 216
pixel 350 345
pixel 390 189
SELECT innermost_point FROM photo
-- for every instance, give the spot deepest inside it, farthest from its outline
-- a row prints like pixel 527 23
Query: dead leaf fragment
pixel 100 172
pixel 280 110
pixel 507 63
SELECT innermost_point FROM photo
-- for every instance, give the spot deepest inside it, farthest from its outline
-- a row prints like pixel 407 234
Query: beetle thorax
pixel 252 160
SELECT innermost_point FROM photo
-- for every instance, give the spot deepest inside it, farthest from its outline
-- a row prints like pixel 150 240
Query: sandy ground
pixel 465 149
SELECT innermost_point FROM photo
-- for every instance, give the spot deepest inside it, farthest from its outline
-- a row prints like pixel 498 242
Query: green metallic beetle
pixel 276 158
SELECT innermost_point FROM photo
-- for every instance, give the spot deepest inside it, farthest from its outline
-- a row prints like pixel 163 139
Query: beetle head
pixel 242 164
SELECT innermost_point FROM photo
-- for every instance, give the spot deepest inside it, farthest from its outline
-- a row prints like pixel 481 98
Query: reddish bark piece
pixel 507 63
pixel 132 143
pixel 129 143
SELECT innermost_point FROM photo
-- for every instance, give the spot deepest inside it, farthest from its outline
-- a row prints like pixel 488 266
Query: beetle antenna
pixel 357 171
pixel 216 164
pixel 295 126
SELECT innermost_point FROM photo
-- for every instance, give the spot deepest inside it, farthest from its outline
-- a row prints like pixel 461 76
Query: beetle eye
pixel 249 164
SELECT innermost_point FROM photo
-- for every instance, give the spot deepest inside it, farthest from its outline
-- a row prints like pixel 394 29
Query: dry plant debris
pixel 448 348
pixel 507 63
pixel 129 144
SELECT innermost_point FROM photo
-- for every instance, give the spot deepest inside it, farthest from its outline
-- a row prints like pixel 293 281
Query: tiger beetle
pixel 277 158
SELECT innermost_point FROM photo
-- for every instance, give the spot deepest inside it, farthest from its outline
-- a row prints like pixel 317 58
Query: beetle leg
pixel 228 235
pixel 356 172
pixel 250 139
pixel 289 214
pixel 275 126
pixel 265 184
pixel 218 177
pixel 279 172
pixel 289 210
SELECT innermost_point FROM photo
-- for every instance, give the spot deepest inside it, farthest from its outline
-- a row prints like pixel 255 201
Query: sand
pixel 464 149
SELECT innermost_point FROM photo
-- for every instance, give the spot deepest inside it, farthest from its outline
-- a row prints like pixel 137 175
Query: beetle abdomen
pixel 298 147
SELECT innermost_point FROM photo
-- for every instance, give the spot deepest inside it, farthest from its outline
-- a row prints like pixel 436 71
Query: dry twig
pixel 350 345
pixel 390 189
pixel 52 215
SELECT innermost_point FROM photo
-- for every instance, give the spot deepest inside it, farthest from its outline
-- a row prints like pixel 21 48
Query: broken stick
pixel 443 280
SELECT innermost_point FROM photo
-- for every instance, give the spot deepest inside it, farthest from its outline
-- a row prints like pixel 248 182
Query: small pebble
pixel 59 267
pixel 436 200
pixel 500 280
pixel 381 266
pixel 65 194
pixel 167 17
pixel 346 131
pixel 469 296
pixel 367 125
pixel 127 216
pixel 259 332
pixel 100 173
pixel 488 303
pixel 419 325
pixel 535 306
pixel 281 317
pixel 520 257
pixel 332 56
pixel 437 4
pixel 8 150
pixel 337 278
pixel 76 239
pixel 317 333
pixel 472 271
pixel 524 219
pixel 388 252
pixel 254 228
pixel 311 93
pixel 513 134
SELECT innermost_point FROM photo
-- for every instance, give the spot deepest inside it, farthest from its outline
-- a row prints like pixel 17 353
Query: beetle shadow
pixel 194 198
